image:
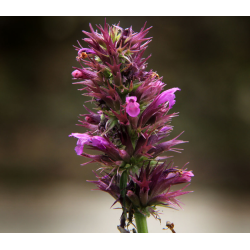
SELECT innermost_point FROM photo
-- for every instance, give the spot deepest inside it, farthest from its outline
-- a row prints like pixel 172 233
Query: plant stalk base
pixel 141 223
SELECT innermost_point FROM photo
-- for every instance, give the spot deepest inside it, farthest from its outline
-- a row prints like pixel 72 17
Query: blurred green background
pixel 42 185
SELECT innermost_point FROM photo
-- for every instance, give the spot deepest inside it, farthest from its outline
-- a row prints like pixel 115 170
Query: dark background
pixel 42 185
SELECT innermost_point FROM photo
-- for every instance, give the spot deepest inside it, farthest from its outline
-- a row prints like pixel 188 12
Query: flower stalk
pixel 141 223
pixel 129 125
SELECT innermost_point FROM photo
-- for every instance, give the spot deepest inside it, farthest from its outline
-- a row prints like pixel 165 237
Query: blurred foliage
pixel 207 57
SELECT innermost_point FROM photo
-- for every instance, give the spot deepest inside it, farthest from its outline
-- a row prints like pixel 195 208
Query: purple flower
pixel 84 74
pixel 99 142
pixel 82 139
pixel 129 131
pixel 167 96
pixel 77 74
pixel 154 109
pixel 113 154
pixel 149 89
pixel 184 176
pixel 133 107
pixel 82 53
pixel 95 141
pixel 151 187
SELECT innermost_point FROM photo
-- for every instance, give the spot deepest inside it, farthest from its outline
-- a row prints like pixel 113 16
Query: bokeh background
pixel 43 188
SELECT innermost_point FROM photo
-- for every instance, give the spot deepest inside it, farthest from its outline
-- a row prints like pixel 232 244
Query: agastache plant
pixel 128 125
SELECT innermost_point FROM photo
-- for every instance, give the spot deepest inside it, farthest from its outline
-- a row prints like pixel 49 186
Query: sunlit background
pixel 43 188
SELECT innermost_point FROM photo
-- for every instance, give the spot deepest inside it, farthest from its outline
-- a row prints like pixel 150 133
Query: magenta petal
pixel 184 177
pixel 131 99
pixel 77 74
pixel 82 139
pixel 81 136
pixel 87 51
pixel 79 149
pixel 95 141
pixel 167 96
pixel 99 142
pixel 133 110
pixel 133 107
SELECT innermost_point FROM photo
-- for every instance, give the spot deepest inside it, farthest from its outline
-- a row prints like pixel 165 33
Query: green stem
pixel 141 223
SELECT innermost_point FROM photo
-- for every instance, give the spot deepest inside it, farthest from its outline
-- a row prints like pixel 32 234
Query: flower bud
pixel 77 74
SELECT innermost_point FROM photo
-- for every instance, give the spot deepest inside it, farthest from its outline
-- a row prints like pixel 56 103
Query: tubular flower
pixel 131 121
pixel 84 52
pixel 83 74
pixel 132 107
pixel 167 96
pixel 95 141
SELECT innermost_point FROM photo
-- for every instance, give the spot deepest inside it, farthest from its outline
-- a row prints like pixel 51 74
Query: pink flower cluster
pixel 131 123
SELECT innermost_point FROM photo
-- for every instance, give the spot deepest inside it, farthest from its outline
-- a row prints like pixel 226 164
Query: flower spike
pixel 130 124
